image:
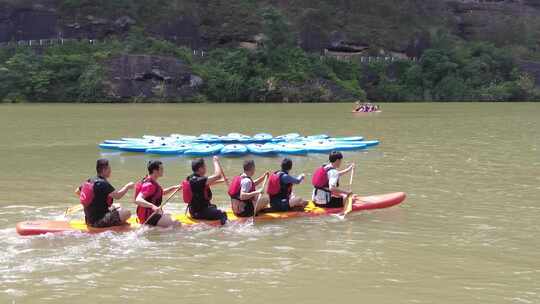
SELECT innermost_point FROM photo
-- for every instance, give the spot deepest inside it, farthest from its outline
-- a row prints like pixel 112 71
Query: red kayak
pixel 367 203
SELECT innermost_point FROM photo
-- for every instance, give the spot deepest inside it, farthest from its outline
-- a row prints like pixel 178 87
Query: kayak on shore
pixel 373 202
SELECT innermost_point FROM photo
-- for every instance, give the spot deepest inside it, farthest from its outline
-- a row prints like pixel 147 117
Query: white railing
pixel 42 43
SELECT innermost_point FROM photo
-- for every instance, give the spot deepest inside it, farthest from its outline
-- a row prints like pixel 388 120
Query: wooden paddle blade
pixel 73 209
pixel 258 199
pixel 348 206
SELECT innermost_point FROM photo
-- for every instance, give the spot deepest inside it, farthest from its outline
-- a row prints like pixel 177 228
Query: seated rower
pixel 280 186
pixel 97 195
pixel 197 191
pixel 246 200
pixel 149 196
pixel 327 193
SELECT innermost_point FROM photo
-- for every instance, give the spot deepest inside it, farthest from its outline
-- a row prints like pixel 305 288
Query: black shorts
pixel 111 219
pixel 153 220
pixel 335 202
pixel 280 205
pixel 249 210
pixel 209 213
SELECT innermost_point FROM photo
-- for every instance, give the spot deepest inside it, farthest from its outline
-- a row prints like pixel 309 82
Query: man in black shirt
pixel 98 213
pixel 201 206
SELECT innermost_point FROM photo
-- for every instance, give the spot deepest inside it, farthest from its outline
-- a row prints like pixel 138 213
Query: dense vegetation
pixel 454 71
pixel 279 70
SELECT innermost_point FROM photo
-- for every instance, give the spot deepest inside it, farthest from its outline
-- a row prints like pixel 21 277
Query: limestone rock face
pixel 150 77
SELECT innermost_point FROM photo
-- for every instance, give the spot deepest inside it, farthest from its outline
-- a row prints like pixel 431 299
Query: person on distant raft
pixel 327 193
pixel 280 186
pixel 149 196
pixel 97 195
pixel 357 106
pixel 244 194
pixel 197 193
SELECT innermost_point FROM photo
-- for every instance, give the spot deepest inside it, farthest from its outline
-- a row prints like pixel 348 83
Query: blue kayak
pixel 132 139
pixel 183 138
pixel 286 148
pixel 259 149
pixel 350 145
pixel 286 137
pixel 370 143
pixel 154 138
pixel 204 150
pixel 319 147
pixel 318 136
pixel 208 138
pixel 234 150
pixel 350 138
pixel 169 150
pixel 110 146
pixel 236 138
pixel 138 148
pixel 262 137
pixel 115 141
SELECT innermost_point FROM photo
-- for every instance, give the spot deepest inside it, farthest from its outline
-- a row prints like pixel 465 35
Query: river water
pixel 467 233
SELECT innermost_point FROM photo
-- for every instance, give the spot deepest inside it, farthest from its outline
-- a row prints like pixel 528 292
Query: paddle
pixel 73 209
pixel 163 205
pixel 348 204
pixel 259 198
pixel 223 173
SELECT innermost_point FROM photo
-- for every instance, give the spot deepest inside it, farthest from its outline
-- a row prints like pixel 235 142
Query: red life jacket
pixel 320 178
pixel 276 187
pixel 235 188
pixel 155 198
pixel 86 193
pixel 187 193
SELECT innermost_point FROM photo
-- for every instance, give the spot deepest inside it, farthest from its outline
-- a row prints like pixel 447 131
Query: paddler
pixel 357 106
pixel 197 191
pixel 280 186
pixel 149 196
pixel 245 197
pixel 326 192
pixel 97 195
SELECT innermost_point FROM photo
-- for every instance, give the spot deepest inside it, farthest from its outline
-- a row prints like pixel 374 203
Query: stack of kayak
pixel 236 144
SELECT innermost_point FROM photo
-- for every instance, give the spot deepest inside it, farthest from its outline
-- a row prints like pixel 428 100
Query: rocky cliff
pixel 344 25
pixel 150 78
pixel 401 28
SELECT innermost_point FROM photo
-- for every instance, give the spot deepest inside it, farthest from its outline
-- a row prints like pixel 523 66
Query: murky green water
pixel 468 232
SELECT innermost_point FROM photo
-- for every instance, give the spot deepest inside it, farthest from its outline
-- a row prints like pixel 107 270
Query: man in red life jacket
pixel 327 193
pixel 244 194
pixel 149 196
pixel 200 206
pixel 280 187
pixel 97 196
